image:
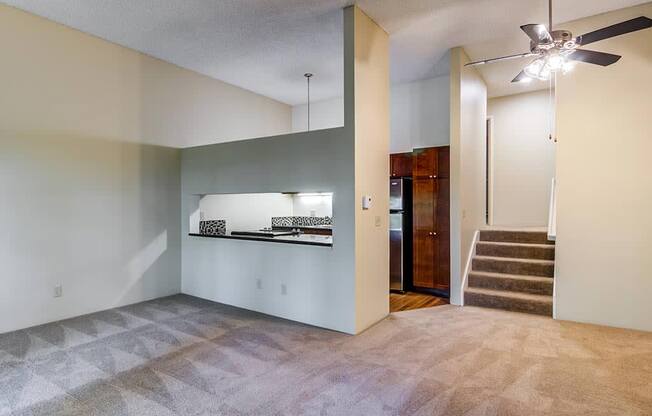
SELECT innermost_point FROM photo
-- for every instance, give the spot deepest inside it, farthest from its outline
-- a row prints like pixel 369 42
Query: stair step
pixel 513 283
pixel 515 250
pixel 510 301
pixel 529 267
pixel 515 236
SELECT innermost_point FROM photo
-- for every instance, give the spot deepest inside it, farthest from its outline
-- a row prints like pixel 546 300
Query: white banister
pixel 552 212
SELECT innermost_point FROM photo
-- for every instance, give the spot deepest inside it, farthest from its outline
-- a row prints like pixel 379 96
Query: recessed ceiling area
pixel 266 46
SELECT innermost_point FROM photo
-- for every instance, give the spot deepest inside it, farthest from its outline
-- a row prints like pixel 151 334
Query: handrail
pixel 552 212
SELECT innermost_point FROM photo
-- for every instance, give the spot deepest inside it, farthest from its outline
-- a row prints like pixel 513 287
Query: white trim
pixel 552 235
pixel 490 169
pixel 467 268
pixel 554 294
pixel 552 212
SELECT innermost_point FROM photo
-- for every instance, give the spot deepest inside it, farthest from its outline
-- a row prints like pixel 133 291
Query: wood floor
pixel 411 300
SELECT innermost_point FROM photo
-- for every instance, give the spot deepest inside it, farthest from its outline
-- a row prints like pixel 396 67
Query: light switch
pixel 366 202
pixel 377 222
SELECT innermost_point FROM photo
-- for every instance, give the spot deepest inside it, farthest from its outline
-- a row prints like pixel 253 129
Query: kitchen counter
pixel 308 229
pixel 304 227
pixel 305 239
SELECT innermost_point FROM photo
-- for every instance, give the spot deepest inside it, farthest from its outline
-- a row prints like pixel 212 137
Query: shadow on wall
pixel 98 217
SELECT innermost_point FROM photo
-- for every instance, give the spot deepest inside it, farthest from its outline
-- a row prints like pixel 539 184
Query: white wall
pixel 522 159
pixel 324 114
pixel 86 200
pixel 98 217
pixel 604 195
pixel 468 129
pixel 246 211
pixel 76 82
pixel 369 50
pixel 419 114
pixel 321 205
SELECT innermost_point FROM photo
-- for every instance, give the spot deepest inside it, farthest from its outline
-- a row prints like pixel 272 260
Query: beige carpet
pixel 185 356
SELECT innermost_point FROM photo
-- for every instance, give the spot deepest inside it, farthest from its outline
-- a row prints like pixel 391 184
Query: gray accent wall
pixel 319 282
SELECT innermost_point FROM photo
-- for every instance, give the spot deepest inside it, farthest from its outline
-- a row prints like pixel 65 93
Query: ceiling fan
pixel 556 49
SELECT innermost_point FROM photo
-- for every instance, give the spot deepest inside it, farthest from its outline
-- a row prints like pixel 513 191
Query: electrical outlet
pixel 58 291
pixel 259 284
pixel 284 289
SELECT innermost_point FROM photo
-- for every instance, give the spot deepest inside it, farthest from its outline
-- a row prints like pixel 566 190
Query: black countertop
pixel 302 227
pixel 305 239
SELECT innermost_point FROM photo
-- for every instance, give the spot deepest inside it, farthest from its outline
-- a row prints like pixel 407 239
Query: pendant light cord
pixel 308 75
pixel 308 103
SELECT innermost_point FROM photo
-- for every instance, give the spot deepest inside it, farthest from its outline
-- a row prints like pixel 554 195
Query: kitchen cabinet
pixel 400 165
pixel 432 162
pixel 424 162
pixel 424 249
pixel 443 162
pixel 431 219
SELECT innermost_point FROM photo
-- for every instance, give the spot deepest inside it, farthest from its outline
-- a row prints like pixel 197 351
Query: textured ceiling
pixel 267 45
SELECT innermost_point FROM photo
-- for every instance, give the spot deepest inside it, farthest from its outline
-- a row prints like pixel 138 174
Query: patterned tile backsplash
pixel 212 227
pixel 298 221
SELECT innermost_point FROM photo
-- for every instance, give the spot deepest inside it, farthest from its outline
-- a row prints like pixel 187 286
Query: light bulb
pixel 544 74
pixel 533 69
pixel 567 67
pixel 555 62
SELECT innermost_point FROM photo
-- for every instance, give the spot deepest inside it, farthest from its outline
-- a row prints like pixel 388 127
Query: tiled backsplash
pixel 300 221
pixel 212 227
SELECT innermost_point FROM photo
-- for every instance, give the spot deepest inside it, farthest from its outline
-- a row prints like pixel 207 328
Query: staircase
pixel 512 270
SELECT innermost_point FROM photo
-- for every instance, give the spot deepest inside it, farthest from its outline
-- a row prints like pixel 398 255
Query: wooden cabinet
pixel 431 219
pixel 443 162
pixel 400 165
pixel 424 249
pixel 424 162
pixel 441 279
pixel 432 162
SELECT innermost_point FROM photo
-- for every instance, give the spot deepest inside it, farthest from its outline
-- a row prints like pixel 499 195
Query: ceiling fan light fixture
pixel 555 62
pixel 535 68
pixel 557 51
pixel 567 67
pixel 544 75
pixel 570 44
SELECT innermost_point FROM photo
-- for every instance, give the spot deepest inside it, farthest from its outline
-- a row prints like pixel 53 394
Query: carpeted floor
pixel 185 356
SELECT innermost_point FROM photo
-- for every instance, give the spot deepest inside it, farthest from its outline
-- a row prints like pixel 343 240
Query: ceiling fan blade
pixel 593 57
pixel 538 33
pixel 520 77
pixel 502 58
pixel 618 29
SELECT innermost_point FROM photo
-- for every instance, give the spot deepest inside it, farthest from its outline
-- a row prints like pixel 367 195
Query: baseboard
pixel 467 268
pixel 554 292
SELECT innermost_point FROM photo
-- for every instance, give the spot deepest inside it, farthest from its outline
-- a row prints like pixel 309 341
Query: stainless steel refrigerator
pixel 400 234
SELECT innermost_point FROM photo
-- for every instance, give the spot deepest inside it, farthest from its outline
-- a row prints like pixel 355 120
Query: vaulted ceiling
pixel 267 45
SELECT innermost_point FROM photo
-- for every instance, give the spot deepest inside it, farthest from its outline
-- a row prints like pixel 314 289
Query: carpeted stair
pixel 512 270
